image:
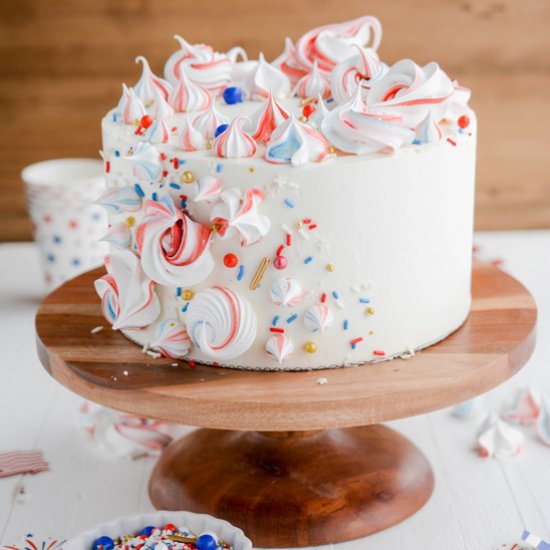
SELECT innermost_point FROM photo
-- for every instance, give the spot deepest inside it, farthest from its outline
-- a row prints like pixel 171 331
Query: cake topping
pixel 265 79
pixel 428 131
pixel 118 235
pixel 319 114
pixel 149 82
pixel 208 189
pixel 221 323
pixel 145 162
pixel 235 216
pixel 288 64
pixel 265 119
pixel 286 292
pixel 130 107
pixel 124 199
pixel 190 138
pixel 171 339
pixel 128 300
pixel 296 143
pixel 174 249
pixel 158 132
pixel 279 346
pixel 499 440
pixel 234 142
pixel 457 105
pixel 207 123
pixel 523 406
pixel 313 84
pixel 318 318
pixel 188 96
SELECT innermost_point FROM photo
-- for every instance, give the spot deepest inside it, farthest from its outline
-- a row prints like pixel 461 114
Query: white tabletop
pixel 477 504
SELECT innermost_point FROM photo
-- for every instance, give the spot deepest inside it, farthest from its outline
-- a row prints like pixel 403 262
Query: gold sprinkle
pixel 300 224
pixel 258 276
pixel 330 267
pixel 188 177
pixel 215 228
pixel 310 347
pixel 332 150
pixel 208 144
pixel 187 294
pixel 130 221
pixel 303 119
pixel 307 101
pixel 137 122
pixel 181 538
pixel 251 169
pixel 371 332
pixel 370 310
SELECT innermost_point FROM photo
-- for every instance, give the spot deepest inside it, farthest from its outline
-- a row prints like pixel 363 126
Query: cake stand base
pixel 287 489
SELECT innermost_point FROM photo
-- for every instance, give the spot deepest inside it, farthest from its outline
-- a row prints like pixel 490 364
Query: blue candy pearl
pixel 107 543
pixel 206 542
pixel 232 95
pixel 147 530
pixel 220 129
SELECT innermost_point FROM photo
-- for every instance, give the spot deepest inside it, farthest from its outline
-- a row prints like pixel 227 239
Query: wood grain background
pixel 62 63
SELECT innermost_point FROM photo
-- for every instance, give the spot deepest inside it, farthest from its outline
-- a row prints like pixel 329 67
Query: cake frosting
pixel 310 212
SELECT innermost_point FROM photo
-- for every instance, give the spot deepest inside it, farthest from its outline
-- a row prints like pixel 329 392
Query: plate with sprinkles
pixel 162 531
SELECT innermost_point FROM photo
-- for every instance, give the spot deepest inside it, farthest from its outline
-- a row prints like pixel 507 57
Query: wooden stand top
pixel 494 343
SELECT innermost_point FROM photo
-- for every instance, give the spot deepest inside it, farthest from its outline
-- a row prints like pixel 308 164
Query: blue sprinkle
pixel 75 262
pixel 240 275
pixel 178 291
pixel 292 318
pixel 330 100
pixel 139 190
pixel 221 129
pixel 275 320
pixel 184 308
pixel 232 95
pixel 114 117
pixel 416 142
pixel 290 203
pixel 335 294
pixel 181 161
pixel 175 186
pixel 57 239
pixel 308 260
pixel 183 204
pixel 353 346
pixel 346 324
pixel 51 258
pixel 117 153
pixel 219 168
pixel 460 131
pixel 154 195
pixel 364 301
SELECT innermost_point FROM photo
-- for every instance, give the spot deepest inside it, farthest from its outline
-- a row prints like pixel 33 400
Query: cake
pixel 310 212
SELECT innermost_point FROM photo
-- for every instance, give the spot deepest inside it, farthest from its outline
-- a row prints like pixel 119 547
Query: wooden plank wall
pixel 62 62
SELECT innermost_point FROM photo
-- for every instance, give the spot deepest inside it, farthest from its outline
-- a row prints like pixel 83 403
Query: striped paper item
pixel 22 462
pixel 535 541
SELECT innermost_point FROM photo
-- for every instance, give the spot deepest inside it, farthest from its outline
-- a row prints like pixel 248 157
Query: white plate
pixel 196 523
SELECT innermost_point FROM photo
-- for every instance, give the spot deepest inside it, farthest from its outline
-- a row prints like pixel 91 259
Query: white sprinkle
pixel 340 304
pixel 96 330
pixel 323 245
pixel 125 372
pixel 321 381
pixel 356 289
pixel 287 229
pixel 174 365
pixel 303 233
pixel 115 379
pixel 153 354
pixel 366 285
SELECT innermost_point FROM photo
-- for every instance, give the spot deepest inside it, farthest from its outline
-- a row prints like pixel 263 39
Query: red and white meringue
pixel 174 249
pixel 428 131
pixel 317 117
pixel 128 298
pixel 209 189
pixel 265 119
pixel 265 79
pixel 130 107
pixel 318 318
pixel 235 216
pixel 458 102
pixel 190 138
pixel 207 123
pixel 171 339
pixel 235 142
pixel 499 440
pixel 158 132
pixel 286 292
pixel 119 235
pixel 522 406
pixel 295 143
pixel 410 92
pixel 221 323
pixel 188 96
pixel 149 82
pixel 288 64
pixel 313 84
pixel 159 107
pixel 145 161
pixel 279 346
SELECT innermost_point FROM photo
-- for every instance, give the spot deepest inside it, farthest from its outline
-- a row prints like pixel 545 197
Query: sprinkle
pixel 251 169
pixel 96 330
pixel 299 225
pixel 240 275
pixel 310 347
pixel 323 297
pixel 185 307
pixel 379 352
pixel 312 226
pixel 165 173
pixel 163 156
pixel 308 260
pixel 452 142
pixel 275 320
pixel 175 186
pixel 125 373
pixel 181 161
pixel 154 196
pixel 178 291
pixel 258 276
pixel 188 177
pixel 275 329
pixel 139 190
pixel 290 203
pixel 187 294
pixel 114 117
pixel 307 220
pixel 303 233
pixel 355 341
pixel 117 153
pixel 330 267
pixel 288 239
pixel 286 229
pixel 416 142
pixel 371 332
pixel 356 288
pixel 183 204
pixel 364 300
pixel 218 168
pixel 280 250
pixel 370 310
pixel 176 163
pixel 335 294
pixel 321 381
pixel 346 324
pixel 107 167
pixel 292 318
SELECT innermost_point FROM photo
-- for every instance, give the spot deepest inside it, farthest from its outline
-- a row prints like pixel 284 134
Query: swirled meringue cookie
pixel 320 203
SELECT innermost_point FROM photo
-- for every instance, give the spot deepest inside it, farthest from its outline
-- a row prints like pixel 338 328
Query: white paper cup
pixel 67 225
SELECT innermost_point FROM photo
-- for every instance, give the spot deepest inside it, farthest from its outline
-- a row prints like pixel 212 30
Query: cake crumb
pixel 125 372
pixel 322 381
pixel 174 365
pixel 153 354
pixel 408 354
pixel 96 330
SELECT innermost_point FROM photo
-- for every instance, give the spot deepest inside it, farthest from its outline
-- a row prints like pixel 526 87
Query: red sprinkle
pixel 275 329
pixel 308 110
pixel 378 352
pixel 230 260
pixel 323 297
pixel 176 163
pixel 463 122
pixel 163 156
pixel 356 341
pixel 280 250
pixel 452 142
pixel 146 121
pixel 307 220
pixel 313 226
pixel 107 167
pixel 164 173
pixel 192 363
pixel 288 239
pixel 170 527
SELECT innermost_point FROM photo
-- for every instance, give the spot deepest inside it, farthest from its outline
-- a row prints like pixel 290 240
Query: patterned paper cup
pixel 67 225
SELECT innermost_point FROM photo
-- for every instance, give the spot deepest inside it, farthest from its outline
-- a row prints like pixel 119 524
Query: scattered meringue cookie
pixel 279 346
pixel 234 142
pixel 171 339
pixel 286 292
pixel 475 408
pixel 499 440
pixel 318 318
pixel 209 189
pixel 158 132
pixel 522 406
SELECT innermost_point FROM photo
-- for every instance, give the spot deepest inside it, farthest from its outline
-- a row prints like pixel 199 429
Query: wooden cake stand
pixel 290 461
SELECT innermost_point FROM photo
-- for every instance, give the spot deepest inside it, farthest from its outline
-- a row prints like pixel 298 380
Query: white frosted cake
pixel 311 212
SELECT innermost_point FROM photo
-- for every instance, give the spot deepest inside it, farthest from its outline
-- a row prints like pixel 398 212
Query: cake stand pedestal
pixel 290 461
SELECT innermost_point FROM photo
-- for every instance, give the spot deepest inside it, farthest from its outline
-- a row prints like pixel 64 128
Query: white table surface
pixel 477 504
